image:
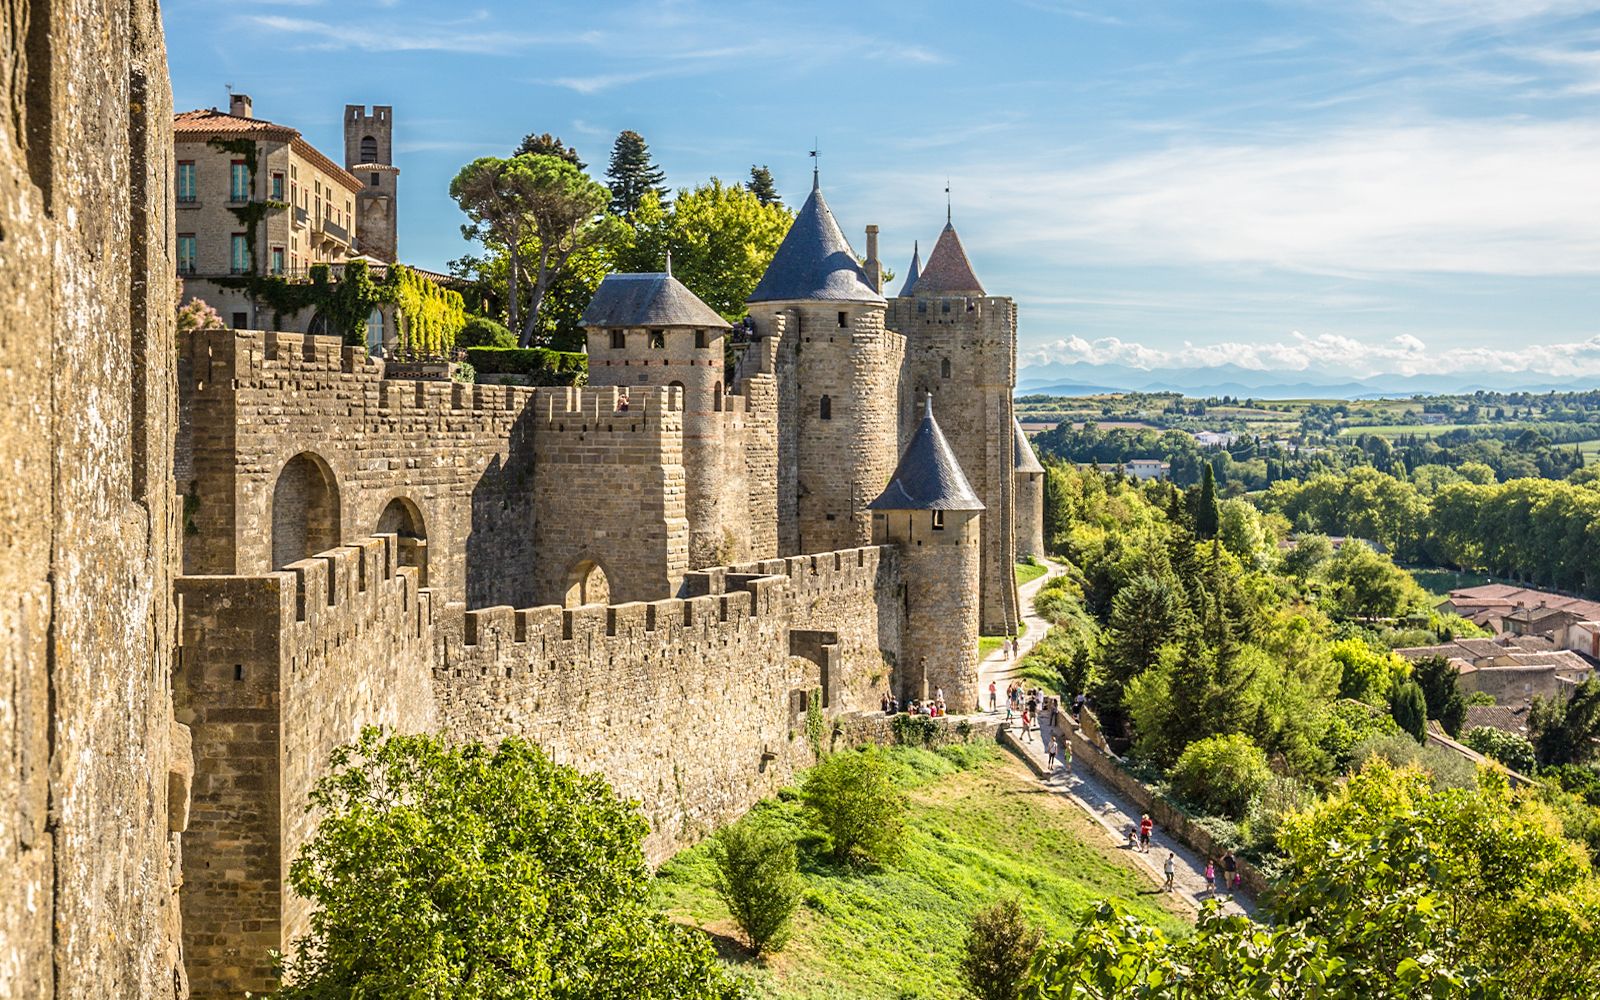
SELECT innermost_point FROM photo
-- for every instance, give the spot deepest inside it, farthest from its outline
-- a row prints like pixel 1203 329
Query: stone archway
pixel 403 518
pixel 587 584
pixel 305 510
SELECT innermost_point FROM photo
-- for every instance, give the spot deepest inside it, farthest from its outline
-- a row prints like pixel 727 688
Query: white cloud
pixel 1497 197
pixel 1328 354
pixel 1479 13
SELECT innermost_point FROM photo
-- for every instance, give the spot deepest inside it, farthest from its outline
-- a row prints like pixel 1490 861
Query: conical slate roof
pixel 915 270
pixel 948 271
pixel 1024 460
pixel 815 262
pixel 648 300
pixel 928 476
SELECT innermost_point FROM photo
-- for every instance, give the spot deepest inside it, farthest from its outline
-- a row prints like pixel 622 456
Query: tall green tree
pixel 1438 680
pixel 1567 730
pixel 497 196
pixel 1409 706
pixel 545 144
pixel 566 210
pixel 1206 515
pixel 761 185
pixel 632 174
pixel 482 874
pixel 721 237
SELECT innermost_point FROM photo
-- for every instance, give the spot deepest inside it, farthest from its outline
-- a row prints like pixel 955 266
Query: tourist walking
pixel 991 696
pixel 1051 758
pixel 1146 827
pixel 1077 710
pixel 1027 725
pixel 1170 867
pixel 1230 871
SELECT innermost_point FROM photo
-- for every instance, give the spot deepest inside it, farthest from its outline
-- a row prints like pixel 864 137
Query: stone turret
pixel 931 513
pixel 649 330
pixel 838 369
pixel 914 271
pixel 1029 521
pixel 961 346
pixel 369 155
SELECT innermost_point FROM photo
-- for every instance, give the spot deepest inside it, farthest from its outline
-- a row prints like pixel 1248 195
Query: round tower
pixel 649 331
pixel 1029 493
pixel 932 515
pixel 838 370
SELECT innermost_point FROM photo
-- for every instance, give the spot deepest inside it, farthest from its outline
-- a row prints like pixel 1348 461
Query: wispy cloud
pixel 1326 353
pixel 473 37
pixel 1472 14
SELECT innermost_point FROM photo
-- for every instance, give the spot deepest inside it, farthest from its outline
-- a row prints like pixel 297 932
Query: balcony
pixel 300 217
pixel 336 231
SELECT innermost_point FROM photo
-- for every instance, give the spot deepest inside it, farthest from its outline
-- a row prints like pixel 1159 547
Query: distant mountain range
pixel 1081 378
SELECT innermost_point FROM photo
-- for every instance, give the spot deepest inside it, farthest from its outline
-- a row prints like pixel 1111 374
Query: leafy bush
pixel 914 730
pixel 542 365
pixel 470 871
pixel 1221 774
pixel 481 331
pixel 1447 768
pixel 1000 947
pixel 1509 749
pixel 851 799
pixel 1346 725
pixel 1280 799
pixel 757 880
pixel 1409 706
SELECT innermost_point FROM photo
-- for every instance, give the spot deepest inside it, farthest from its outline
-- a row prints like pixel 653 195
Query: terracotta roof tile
pixel 205 122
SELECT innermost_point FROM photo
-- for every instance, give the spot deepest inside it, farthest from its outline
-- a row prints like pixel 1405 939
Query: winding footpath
pixel 1112 811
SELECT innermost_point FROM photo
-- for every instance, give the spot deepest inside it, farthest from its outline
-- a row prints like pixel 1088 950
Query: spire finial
pixel 669 262
pixel 927 405
pixel 816 165
pixel 947 201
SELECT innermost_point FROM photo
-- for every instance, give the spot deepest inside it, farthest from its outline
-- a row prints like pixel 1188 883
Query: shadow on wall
pixel 499 562
pixel 305 510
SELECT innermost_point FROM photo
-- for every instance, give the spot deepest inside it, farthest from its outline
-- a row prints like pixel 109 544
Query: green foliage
pixel 852 800
pixel 757 880
pixel 480 331
pixel 1347 724
pixel 1365 584
pixel 1365 673
pixel 483 874
pixel 542 365
pixel 1565 731
pixel 1000 947
pixel 1206 515
pixel 632 175
pixel 545 144
pixel 1221 774
pixel 431 316
pixel 1445 768
pixel 722 238
pixel 914 730
pixel 1438 678
pixel 1509 749
pixel 1307 557
pixel 1409 706
pixel 762 186
pixel 816 724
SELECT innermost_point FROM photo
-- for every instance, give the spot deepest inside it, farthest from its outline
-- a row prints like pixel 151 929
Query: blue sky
pixel 1353 186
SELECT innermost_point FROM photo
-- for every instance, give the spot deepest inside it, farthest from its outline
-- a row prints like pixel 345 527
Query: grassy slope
pixel 974 835
pixel 1028 572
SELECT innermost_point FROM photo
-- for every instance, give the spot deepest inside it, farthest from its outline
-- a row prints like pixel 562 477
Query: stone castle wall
pixel 1029 530
pixel 94 792
pixel 276 671
pixel 963 351
pixel 458 454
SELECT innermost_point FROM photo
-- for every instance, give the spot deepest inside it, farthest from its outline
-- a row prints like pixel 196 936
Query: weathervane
pixel 947 201
pixel 816 165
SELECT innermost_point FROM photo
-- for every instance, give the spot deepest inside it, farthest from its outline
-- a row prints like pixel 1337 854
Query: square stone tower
pixel 369 154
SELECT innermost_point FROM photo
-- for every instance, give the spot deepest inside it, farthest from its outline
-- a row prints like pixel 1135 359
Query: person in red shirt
pixel 1146 827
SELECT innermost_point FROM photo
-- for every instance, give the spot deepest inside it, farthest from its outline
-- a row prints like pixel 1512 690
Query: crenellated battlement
pixel 614 406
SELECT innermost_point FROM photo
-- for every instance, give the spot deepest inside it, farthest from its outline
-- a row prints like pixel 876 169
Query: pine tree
pixel 546 144
pixel 632 174
pixel 762 186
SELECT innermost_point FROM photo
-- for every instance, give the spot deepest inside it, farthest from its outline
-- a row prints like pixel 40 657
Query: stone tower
pixel 838 369
pixel 1029 522
pixel 930 512
pixel 961 346
pixel 369 154
pixel 649 330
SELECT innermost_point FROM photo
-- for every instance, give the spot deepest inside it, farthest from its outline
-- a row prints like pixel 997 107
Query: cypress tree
pixel 762 186
pixel 1206 516
pixel 632 175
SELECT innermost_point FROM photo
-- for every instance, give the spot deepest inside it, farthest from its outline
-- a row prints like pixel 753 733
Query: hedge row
pixel 542 365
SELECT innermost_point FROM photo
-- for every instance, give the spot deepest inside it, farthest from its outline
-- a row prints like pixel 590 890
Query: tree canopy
pixel 632 174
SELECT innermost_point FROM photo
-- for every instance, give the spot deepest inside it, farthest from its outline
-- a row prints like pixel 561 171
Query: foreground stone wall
pixel 277 670
pixel 94 789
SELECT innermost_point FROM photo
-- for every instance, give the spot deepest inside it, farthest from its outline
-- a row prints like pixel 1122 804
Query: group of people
pixel 932 707
pixel 1222 874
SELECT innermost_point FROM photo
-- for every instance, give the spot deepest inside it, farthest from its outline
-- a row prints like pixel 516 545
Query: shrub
pixel 1000 947
pixel 851 799
pixel 1221 774
pixel 542 365
pixel 481 331
pixel 1409 706
pixel 1446 768
pixel 1347 724
pixel 1509 749
pixel 756 878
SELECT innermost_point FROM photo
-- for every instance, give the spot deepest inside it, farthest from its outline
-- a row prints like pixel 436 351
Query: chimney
pixel 873 268
pixel 239 105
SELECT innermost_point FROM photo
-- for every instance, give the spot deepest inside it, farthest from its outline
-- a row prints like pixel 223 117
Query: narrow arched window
pixel 944 368
pixel 716 397
pixel 369 149
pixel 825 410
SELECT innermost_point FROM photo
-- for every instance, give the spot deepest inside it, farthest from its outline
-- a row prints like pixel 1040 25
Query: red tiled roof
pixel 948 272
pixel 205 122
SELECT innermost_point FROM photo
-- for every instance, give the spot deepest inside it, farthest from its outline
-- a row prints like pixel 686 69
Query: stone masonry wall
pixel 459 453
pixel 277 670
pixel 1029 530
pixel 972 400
pixel 93 793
